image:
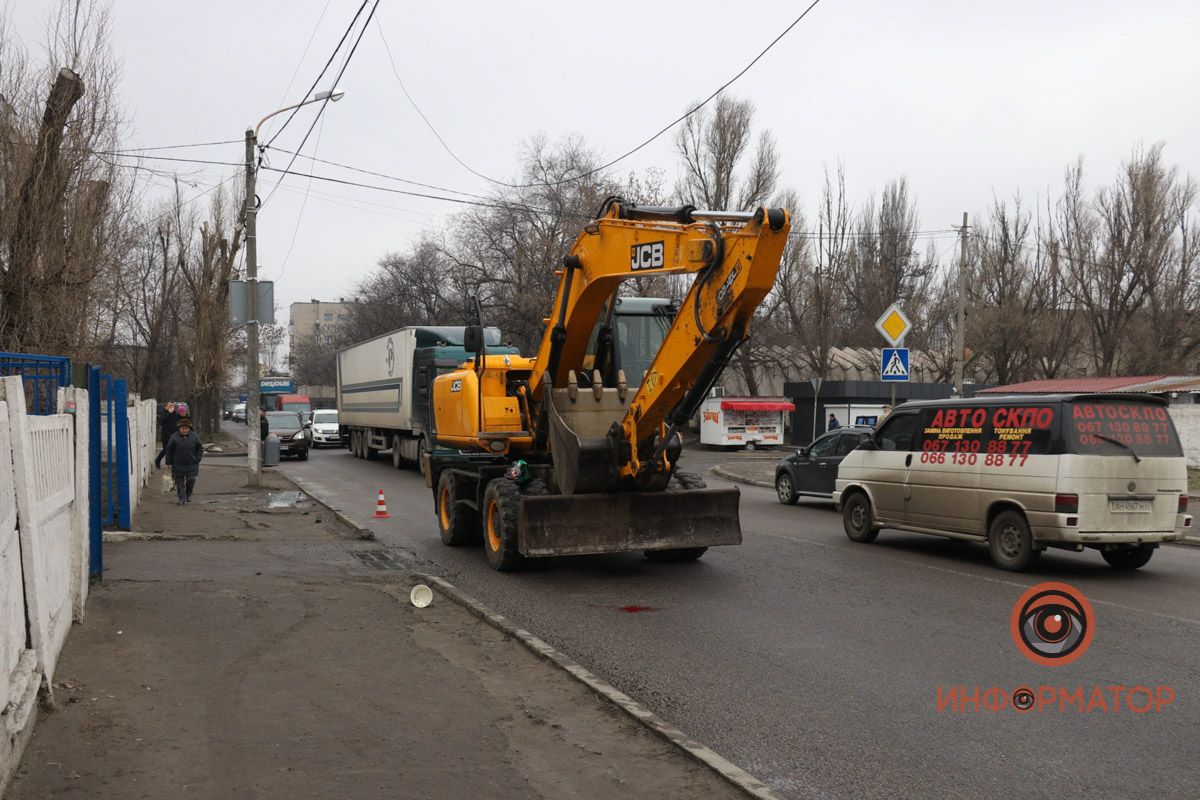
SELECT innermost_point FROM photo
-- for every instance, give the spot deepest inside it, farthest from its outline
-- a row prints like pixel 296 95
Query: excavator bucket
pixel 581 524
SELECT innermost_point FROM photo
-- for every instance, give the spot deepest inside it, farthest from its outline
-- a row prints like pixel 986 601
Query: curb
pixel 730 475
pixel 733 774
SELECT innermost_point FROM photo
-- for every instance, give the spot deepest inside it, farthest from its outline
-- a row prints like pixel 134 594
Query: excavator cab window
pixel 639 337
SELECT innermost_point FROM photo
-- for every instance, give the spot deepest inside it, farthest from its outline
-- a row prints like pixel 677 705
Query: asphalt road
pixel 814 662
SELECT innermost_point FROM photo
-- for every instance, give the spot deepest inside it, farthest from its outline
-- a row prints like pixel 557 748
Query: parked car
pixel 325 429
pixel 294 438
pixel 812 471
pixel 239 413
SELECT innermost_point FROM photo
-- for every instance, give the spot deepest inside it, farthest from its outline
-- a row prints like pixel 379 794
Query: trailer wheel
pixel 397 460
pixel 500 502
pixel 458 523
pixel 356 442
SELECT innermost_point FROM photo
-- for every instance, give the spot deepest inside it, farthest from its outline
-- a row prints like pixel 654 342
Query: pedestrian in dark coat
pixel 264 427
pixel 183 455
pixel 168 420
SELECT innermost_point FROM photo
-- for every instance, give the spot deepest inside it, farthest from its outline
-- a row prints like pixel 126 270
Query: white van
pixel 1023 473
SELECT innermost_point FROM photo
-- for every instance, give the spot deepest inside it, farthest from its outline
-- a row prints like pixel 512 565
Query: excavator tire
pixel 500 506
pixel 680 481
pixel 458 523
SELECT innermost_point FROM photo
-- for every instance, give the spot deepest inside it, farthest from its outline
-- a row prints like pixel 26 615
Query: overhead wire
pixel 332 56
pixel 325 102
pixel 621 157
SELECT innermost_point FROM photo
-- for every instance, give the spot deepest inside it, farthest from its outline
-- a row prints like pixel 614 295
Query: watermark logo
pixel 1053 624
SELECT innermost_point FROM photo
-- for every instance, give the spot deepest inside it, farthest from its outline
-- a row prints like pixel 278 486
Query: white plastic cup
pixel 421 595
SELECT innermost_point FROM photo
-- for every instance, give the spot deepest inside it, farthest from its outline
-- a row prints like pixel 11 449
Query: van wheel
pixel 1010 542
pixel 785 490
pixel 458 523
pixel 1128 557
pixel 858 519
pixel 751 446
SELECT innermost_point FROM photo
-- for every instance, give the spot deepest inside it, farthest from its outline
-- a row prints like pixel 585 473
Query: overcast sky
pixel 968 100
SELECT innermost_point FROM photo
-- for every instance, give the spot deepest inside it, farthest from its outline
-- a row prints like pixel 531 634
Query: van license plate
pixel 1131 506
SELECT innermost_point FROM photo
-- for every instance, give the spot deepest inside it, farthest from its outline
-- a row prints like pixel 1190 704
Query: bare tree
pixel 714 146
pixel 1006 300
pixel 884 266
pixel 60 221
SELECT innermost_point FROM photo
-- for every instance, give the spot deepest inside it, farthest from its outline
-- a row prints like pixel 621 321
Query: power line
pixel 501 205
pixel 307 46
pixel 170 147
pixel 619 158
pixel 332 56
pixel 383 175
pixel 325 102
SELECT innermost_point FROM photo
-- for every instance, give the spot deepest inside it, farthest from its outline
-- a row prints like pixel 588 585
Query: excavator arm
pixel 734 256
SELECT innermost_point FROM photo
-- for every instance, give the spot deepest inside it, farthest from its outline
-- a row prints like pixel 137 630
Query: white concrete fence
pixel 44 544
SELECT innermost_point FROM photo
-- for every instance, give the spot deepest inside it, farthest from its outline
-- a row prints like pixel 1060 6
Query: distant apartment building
pixel 317 318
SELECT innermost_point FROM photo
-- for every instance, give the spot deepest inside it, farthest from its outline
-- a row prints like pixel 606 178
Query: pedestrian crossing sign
pixel 894 364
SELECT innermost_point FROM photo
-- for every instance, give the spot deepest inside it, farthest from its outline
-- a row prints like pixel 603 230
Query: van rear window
pixel 1110 427
pixel 1016 430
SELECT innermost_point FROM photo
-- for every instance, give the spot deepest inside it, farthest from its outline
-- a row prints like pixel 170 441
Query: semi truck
pixel 384 389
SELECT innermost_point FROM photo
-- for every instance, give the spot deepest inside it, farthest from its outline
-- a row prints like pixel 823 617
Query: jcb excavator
pixel 572 454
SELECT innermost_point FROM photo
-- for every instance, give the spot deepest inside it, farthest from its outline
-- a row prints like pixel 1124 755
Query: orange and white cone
pixel 381 507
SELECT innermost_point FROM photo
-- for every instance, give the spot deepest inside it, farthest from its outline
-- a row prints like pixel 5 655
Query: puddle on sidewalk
pixel 284 499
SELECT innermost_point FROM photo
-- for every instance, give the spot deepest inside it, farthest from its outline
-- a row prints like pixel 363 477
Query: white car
pixel 325 429
pixel 239 413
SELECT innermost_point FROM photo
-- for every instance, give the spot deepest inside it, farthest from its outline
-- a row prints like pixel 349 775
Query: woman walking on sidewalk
pixel 183 454
pixel 168 420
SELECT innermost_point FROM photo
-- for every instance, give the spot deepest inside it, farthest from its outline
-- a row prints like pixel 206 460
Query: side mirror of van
pixel 473 338
pixel 869 444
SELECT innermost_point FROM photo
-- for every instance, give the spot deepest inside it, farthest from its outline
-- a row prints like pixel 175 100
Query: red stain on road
pixel 636 609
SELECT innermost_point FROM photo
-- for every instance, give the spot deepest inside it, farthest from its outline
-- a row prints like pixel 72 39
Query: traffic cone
pixel 381 507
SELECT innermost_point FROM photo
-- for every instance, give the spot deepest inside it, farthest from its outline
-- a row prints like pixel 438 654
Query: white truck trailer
pixel 383 389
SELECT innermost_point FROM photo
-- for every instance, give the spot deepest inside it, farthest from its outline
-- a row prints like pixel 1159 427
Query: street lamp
pixel 253 394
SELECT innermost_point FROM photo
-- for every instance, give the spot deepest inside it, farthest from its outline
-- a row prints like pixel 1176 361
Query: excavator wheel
pixel 680 481
pixel 458 523
pixel 500 501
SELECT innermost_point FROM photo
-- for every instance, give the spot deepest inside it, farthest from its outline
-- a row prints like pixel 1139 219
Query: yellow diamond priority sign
pixel 893 325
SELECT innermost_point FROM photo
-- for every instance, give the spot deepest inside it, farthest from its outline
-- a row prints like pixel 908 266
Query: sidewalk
pixel 249 646
pixel 754 472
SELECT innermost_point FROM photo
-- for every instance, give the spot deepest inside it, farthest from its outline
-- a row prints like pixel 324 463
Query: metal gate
pixel 42 376
pixel 108 437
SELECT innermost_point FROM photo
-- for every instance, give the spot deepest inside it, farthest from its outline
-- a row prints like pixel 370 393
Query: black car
pixel 812 470
pixel 294 435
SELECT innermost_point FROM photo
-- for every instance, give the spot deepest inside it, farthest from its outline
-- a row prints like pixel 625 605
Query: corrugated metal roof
pixel 1141 383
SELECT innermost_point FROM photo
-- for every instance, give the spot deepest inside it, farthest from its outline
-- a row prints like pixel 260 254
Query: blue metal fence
pixel 43 377
pixel 108 437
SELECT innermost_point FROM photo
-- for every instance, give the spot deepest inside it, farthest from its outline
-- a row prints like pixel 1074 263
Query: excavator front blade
pixel 580 524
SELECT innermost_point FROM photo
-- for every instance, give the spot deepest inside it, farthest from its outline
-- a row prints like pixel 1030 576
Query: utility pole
pixel 960 329
pixel 253 397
